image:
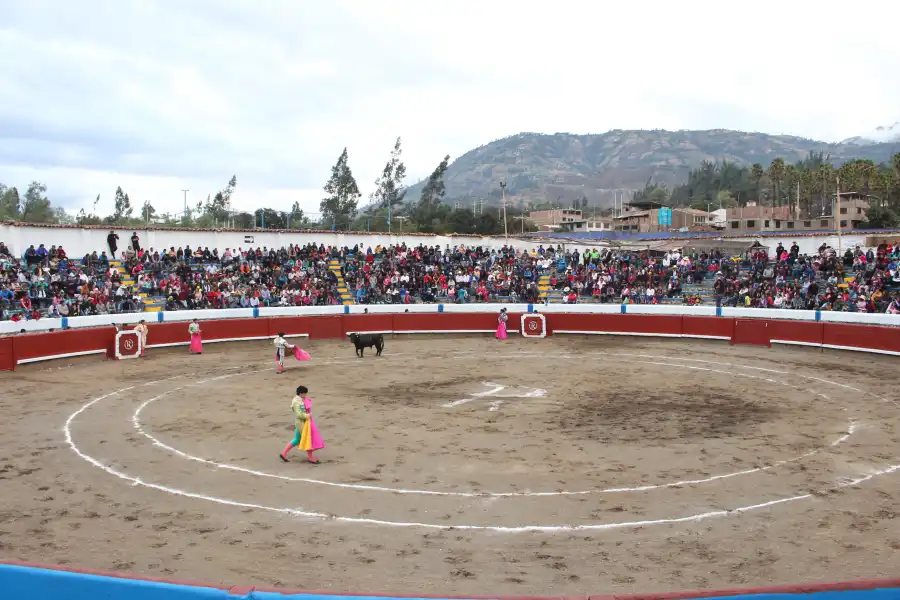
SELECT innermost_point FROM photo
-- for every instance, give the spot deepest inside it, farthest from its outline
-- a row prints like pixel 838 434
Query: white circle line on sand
pixel 494 528
pixel 136 422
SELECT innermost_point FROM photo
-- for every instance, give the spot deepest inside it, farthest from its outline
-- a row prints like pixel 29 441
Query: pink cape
pixel 196 343
pixel 501 331
pixel 300 354
pixel 315 441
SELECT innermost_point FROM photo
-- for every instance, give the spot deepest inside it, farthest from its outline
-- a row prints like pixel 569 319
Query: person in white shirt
pixel 281 345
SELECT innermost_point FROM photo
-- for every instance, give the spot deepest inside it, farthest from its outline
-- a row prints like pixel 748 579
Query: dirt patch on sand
pixel 682 413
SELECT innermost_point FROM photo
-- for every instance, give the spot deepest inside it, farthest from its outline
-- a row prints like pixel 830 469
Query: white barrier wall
pixel 10 327
pixel 78 241
pixel 808 245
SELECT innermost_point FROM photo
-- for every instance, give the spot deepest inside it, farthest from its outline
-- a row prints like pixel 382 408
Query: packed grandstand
pixel 47 282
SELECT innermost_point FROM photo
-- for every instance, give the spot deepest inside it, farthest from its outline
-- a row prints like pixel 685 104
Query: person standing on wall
pixel 135 242
pixel 112 240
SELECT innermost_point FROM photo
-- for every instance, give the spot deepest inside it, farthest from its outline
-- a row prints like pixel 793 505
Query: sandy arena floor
pixel 461 466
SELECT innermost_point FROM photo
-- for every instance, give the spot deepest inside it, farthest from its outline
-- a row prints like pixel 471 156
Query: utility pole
pixel 185 202
pixel 837 214
pixel 503 198
pixel 401 219
pixel 522 219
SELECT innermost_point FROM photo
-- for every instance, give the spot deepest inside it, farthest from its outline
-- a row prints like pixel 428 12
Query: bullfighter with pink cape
pixel 501 324
pixel 306 434
pixel 281 348
pixel 196 342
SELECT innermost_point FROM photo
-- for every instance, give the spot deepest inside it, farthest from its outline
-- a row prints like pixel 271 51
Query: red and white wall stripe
pixel 95 335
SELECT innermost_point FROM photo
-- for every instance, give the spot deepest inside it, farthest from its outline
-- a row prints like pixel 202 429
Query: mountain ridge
pixel 562 167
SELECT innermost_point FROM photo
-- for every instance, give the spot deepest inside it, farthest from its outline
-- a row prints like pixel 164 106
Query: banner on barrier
pixel 534 325
pixel 128 345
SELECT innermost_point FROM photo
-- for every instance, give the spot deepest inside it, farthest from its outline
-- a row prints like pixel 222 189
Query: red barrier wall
pixel 69 342
pixel 707 327
pixel 361 323
pixel 665 325
pixel 806 332
pixel 233 328
pixel 753 332
pixel 862 336
pixel 7 354
pixel 167 333
pixel 448 322
pixel 26 348
pixel 325 328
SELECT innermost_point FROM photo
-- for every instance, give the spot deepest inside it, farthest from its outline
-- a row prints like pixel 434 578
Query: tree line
pixel 810 183
pixel 388 208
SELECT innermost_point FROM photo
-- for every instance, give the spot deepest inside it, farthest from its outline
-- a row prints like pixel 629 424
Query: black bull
pixel 367 340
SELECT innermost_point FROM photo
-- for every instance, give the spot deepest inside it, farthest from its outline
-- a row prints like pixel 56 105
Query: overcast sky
pixel 162 95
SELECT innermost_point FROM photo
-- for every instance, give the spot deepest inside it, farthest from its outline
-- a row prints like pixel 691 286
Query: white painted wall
pixel 808 245
pixel 78 241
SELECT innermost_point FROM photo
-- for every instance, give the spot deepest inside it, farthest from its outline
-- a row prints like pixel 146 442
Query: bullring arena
pixel 679 451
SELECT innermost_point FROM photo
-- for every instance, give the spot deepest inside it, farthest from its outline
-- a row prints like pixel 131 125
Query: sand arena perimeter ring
pixel 666 361
pixel 831 499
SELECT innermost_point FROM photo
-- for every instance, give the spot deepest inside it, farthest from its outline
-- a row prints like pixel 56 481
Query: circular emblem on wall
pixel 129 344
pixel 534 326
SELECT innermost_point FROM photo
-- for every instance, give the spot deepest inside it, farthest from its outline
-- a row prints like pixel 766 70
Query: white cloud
pixel 157 96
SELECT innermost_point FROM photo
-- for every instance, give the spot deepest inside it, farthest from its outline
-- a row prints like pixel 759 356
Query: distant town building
pixel 551 220
pixel 752 218
pixel 588 225
pixel 647 217
pixel 718 218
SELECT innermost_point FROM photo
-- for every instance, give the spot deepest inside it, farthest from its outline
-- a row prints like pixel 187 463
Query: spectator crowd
pixel 47 282
pixel 398 274
pixel 857 281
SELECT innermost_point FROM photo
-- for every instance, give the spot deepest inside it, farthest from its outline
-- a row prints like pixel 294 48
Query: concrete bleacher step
pixel 347 297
